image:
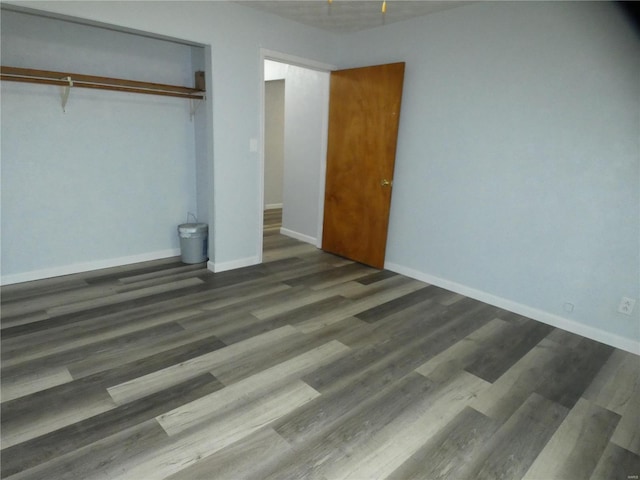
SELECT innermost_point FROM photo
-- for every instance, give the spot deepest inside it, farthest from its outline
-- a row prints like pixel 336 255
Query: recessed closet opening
pixel 101 178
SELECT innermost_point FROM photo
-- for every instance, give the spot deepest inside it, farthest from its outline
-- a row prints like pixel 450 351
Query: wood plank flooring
pixel 308 366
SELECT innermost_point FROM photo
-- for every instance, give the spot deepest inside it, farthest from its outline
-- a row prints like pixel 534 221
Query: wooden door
pixel 364 113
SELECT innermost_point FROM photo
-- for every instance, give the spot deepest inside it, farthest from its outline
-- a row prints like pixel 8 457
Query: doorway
pixel 306 105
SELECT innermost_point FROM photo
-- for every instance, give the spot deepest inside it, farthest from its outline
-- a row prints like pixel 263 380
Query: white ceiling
pixel 344 16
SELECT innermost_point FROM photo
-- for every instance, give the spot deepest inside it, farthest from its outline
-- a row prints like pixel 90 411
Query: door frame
pixel 266 54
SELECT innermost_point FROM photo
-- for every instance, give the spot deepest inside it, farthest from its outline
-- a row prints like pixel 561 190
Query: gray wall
pixel 517 171
pixel 518 160
pixel 273 142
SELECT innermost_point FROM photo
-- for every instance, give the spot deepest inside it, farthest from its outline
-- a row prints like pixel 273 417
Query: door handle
pixel 386 183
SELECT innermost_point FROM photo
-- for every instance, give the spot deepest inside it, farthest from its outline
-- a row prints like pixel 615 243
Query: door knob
pixel 386 183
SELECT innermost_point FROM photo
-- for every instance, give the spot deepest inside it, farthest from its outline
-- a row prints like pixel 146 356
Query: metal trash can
pixel 193 242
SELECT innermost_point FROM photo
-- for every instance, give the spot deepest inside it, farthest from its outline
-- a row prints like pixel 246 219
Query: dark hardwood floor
pixel 307 366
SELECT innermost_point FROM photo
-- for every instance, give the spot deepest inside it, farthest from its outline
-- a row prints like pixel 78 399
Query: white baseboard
pixel 272 206
pixel 86 266
pixel 572 326
pixel 298 236
pixel 217 267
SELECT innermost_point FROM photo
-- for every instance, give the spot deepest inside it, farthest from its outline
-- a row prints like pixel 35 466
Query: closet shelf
pixel 65 79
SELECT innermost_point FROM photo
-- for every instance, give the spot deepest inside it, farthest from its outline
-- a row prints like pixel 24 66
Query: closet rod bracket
pixel 66 89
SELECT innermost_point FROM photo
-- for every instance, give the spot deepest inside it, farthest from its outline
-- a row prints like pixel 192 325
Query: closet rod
pixel 46 77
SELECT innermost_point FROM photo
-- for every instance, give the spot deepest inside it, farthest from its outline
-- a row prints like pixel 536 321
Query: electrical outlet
pixel 626 305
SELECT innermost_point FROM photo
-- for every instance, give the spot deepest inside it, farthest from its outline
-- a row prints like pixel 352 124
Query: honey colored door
pixel 364 113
